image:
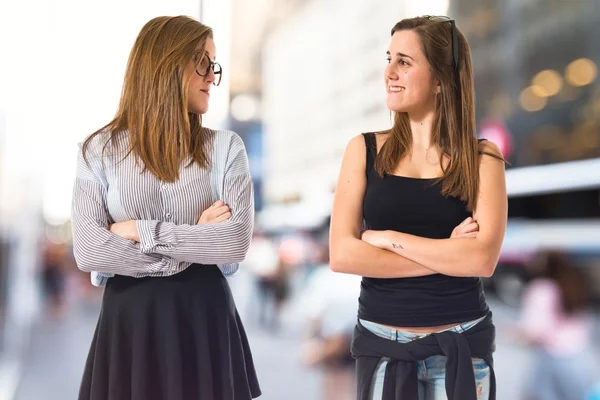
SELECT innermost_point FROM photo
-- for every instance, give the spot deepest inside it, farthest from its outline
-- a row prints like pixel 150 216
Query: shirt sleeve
pixel 219 243
pixel 95 247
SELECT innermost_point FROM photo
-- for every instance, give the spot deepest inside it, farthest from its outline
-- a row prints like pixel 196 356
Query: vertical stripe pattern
pixel 109 190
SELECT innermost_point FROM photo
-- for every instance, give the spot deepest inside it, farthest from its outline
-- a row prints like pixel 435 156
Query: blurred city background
pixel 301 78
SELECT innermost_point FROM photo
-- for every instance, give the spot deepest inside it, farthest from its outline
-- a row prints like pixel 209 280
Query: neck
pixel 421 125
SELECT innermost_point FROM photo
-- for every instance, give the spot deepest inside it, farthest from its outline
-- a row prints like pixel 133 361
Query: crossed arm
pixel 125 249
pixel 389 254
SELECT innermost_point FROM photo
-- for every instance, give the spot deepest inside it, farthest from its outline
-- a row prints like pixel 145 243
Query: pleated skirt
pixel 170 338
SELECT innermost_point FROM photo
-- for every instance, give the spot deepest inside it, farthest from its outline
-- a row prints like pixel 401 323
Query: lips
pixel 205 91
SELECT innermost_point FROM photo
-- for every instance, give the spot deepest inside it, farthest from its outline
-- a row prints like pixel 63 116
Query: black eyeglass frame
pixel 211 65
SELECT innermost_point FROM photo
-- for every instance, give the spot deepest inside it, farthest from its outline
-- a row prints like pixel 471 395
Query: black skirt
pixel 170 338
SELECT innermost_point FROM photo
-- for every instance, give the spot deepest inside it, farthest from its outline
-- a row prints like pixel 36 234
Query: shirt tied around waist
pixel 401 380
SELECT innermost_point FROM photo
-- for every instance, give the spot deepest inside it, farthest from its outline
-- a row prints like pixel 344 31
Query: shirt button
pixel 168 215
pixel 164 187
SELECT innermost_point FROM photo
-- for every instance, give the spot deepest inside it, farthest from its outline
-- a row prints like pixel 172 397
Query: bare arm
pixel 472 257
pixel 348 253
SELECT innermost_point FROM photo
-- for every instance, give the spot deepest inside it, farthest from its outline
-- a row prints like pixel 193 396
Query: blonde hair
pixel 154 102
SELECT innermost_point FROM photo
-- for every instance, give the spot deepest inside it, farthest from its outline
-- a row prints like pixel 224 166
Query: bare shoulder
pixel 489 150
pixel 356 147
pixel 357 141
pixel 346 214
pixel 491 168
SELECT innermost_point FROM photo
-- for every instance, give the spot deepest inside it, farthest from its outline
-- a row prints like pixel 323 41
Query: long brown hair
pixel 154 102
pixel 454 121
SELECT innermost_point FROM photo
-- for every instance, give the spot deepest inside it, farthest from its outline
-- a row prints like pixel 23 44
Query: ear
pixel 437 86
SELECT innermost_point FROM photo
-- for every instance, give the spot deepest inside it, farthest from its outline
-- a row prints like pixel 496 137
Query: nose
pixel 389 73
pixel 210 77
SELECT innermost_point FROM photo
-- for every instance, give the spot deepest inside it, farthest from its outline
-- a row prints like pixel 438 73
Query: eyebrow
pixel 198 51
pixel 400 55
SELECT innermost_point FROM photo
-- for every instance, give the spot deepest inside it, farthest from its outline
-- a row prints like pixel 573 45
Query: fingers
pixel 468 225
pixel 472 227
pixel 469 235
pixel 219 210
pixel 212 219
pixel 467 228
pixel 467 221
pixel 465 235
pixel 222 217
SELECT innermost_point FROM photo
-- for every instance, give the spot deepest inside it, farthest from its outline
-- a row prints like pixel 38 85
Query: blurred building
pixel 536 73
pixel 250 24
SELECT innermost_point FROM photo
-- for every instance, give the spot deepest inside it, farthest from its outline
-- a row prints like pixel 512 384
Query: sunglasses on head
pixel 443 19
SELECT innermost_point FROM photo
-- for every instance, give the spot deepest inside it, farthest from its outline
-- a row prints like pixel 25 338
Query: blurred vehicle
pixel 550 206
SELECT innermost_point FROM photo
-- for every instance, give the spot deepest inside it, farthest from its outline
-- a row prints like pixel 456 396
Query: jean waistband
pixel 400 335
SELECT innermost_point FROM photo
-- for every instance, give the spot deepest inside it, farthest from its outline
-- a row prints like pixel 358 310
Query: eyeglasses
pixel 443 19
pixel 204 66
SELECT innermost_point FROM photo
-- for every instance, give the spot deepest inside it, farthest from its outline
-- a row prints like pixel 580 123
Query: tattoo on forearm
pixel 397 246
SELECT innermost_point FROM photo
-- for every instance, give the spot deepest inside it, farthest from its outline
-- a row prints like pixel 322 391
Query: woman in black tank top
pixel 420 212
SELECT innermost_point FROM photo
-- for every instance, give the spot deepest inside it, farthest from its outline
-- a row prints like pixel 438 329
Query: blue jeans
pixel 431 371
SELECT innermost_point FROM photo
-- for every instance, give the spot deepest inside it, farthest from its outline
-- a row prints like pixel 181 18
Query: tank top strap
pixel 371 145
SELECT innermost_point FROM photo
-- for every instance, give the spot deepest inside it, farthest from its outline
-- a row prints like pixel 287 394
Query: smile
pixel 396 89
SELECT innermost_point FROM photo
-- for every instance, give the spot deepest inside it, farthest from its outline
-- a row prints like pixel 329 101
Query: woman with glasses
pixel 148 224
pixel 420 212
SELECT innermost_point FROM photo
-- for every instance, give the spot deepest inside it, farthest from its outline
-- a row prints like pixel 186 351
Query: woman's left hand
pixel 126 229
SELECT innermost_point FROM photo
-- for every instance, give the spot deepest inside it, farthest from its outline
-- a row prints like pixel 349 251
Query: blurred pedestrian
pixel 557 322
pixel 145 216
pixel 54 277
pixel 274 289
pixel 264 263
pixel 328 308
pixel 433 199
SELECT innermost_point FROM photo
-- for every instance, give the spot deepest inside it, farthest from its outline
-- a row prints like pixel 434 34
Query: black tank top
pixel 417 207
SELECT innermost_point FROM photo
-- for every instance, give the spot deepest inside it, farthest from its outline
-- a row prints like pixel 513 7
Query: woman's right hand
pixel 217 212
pixel 469 228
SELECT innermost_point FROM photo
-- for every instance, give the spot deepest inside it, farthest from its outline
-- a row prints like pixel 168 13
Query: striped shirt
pixel 109 190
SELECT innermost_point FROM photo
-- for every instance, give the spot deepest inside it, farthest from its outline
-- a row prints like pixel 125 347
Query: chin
pixel 396 108
pixel 199 109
